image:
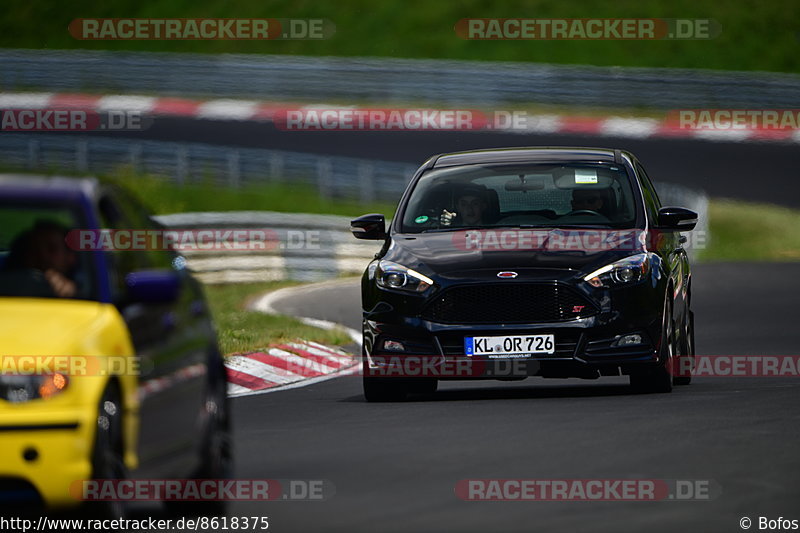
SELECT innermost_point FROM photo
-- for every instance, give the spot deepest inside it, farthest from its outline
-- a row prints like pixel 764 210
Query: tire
pixel 107 453
pixel 659 379
pixel 688 353
pixel 216 452
pixel 385 389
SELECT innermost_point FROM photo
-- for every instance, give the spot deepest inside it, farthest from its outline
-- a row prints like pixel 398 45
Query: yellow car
pixel 109 366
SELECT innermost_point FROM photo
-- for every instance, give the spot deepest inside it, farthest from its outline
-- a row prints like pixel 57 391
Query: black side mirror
pixel 676 219
pixel 372 227
pixel 153 286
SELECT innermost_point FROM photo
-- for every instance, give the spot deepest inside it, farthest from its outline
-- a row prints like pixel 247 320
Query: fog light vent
pixel 394 346
pixel 628 340
pixel 30 454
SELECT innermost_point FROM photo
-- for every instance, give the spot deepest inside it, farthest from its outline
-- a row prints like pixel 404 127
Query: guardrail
pixel 311 247
pixel 391 81
pixel 365 180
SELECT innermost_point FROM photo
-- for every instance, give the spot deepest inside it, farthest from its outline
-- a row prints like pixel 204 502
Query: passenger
pixel 587 200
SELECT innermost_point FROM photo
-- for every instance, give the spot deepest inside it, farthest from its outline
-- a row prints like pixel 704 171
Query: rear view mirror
pixel 153 286
pixel 370 227
pixel 677 219
pixel 530 184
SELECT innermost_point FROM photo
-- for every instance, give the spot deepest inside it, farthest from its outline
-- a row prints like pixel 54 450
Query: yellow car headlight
pixel 22 388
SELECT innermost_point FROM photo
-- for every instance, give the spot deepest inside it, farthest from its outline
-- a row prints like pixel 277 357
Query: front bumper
pixel 584 347
pixel 44 455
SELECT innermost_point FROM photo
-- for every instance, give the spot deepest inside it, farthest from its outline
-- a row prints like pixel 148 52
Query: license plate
pixel 510 346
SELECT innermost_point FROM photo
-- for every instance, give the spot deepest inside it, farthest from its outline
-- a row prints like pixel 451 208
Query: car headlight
pixel 391 275
pixel 22 388
pixel 629 270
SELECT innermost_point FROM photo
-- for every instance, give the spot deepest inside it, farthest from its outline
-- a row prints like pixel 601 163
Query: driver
pixel 41 252
pixel 587 200
pixel 471 207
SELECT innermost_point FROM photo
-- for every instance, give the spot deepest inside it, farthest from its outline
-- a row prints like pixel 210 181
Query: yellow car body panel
pixel 62 428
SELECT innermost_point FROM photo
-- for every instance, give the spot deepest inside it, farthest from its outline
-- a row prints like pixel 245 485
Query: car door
pixel 172 340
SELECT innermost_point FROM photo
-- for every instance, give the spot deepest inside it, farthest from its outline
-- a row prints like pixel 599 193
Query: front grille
pixel 508 303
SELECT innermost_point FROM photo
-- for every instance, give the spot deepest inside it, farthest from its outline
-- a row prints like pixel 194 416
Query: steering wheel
pixel 584 212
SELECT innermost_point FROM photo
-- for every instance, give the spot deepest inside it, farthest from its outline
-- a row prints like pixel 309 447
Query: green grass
pixel 242 330
pixel 745 231
pixel 755 35
pixel 164 196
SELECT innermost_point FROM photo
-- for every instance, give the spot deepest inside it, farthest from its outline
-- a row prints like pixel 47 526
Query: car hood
pixel 468 254
pixel 45 326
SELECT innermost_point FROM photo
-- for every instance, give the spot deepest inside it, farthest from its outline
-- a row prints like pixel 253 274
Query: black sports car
pixel 507 263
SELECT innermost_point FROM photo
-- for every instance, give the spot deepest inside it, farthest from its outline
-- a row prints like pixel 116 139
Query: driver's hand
pixel 62 286
pixel 446 217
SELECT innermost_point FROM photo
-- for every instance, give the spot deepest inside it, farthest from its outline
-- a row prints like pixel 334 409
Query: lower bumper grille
pixel 508 303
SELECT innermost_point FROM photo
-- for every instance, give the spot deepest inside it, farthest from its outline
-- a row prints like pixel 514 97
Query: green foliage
pixel 755 35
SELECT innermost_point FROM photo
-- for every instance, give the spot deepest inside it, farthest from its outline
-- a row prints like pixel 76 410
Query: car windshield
pixel 562 195
pixel 35 260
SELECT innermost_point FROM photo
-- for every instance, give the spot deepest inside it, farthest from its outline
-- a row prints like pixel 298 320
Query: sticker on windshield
pixel 585 175
pixel 421 219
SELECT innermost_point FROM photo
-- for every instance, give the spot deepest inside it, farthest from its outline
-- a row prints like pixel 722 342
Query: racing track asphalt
pixel 395 466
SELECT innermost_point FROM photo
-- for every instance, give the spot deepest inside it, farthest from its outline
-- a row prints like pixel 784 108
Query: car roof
pixel 47 187
pixel 530 155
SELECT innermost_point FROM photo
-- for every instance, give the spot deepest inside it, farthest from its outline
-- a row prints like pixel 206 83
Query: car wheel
pixel 216 454
pixel 688 353
pixel 659 379
pixel 107 461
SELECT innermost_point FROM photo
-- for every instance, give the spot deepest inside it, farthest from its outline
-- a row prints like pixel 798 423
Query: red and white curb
pixel 293 364
pixel 253 110
pixel 282 365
